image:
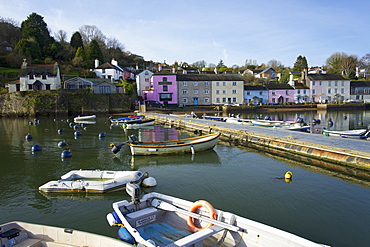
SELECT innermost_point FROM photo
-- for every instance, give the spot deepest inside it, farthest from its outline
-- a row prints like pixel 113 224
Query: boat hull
pixel 189 145
pixel 27 234
pixel 85 118
pixel 355 134
pixel 165 221
pixel 93 181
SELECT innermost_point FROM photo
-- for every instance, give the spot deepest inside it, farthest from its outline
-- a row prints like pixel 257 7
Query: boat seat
pixel 144 216
pixel 29 242
pixel 196 239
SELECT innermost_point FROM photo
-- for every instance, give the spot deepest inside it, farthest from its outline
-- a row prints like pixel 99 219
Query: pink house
pixel 280 93
pixel 163 89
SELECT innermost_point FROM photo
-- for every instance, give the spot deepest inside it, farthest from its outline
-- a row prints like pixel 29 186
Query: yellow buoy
pixel 288 175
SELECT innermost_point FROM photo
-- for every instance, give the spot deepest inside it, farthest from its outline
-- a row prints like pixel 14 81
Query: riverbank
pixel 346 156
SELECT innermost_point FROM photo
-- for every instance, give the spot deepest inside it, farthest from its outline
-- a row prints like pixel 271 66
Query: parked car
pixel 154 103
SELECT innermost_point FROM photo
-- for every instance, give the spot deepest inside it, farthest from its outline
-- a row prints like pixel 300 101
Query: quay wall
pixel 347 162
pixel 62 102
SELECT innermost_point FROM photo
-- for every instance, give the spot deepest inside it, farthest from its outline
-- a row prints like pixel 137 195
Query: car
pixel 154 103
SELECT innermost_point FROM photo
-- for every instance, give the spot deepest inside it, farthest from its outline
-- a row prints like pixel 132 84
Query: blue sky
pixel 232 31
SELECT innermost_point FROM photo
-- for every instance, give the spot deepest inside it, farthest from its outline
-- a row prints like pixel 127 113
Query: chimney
pixel 160 67
pixel 114 62
pixel 24 64
pixel 96 62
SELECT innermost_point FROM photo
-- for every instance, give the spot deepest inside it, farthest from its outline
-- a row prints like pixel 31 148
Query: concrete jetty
pixel 349 156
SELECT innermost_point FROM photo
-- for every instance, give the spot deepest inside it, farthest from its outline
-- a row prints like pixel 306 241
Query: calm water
pixel 316 205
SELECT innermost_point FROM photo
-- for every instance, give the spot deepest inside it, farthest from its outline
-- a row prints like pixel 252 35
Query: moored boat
pixel 128 119
pixel 139 123
pixel 85 118
pixel 357 134
pixel 22 234
pixel 162 220
pixel 93 181
pixel 188 145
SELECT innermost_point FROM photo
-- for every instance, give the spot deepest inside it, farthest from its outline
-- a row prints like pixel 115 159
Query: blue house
pixel 255 94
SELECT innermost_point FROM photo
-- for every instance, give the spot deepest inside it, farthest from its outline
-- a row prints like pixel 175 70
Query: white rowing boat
pixel 22 234
pixel 161 220
pixel 85 118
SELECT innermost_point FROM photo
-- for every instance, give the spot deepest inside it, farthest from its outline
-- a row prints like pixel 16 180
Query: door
pixel 195 101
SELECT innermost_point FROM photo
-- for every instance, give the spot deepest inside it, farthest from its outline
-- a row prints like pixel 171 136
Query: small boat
pixel 93 181
pixel 85 122
pixel 299 127
pixel 186 115
pixel 139 123
pixel 85 118
pixel 162 220
pixel 357 134
pixel 126 119
pixel 188 145
pixel 24 234
pixel 215 118
pixel 236 120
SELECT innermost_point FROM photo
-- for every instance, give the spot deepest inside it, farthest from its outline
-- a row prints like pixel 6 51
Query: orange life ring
pixel 194 207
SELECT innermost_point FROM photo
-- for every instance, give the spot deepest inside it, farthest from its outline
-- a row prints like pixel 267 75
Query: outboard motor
pixel 133 139
pixel 299 120
pixel 267 118
pixel 133 190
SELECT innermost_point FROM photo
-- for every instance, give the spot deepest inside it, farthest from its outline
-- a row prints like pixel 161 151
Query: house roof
pixel 325 77
pixel 254 87
pixel 39 69
pixel 360 83
pixel 278 86
pixel 300 85
pixel 206 77
pixel 108 66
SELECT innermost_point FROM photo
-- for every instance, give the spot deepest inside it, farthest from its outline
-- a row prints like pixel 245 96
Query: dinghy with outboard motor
pixel 162 220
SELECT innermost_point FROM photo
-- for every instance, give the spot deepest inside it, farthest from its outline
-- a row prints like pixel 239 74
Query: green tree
pixel 76 41
pixel 129 88
pixel 94 52
pixel 34 26
pixel 300 64
pixel 30 48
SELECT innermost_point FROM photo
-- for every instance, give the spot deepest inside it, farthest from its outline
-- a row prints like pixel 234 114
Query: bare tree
pixel 61 36
pixel 274 64
pixel 91 32
pixel 334 62
pixel 113 43
pixel 348 65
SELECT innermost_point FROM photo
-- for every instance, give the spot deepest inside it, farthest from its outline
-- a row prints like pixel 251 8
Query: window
pixel 313 83
pixel 165 88
pixel 103 70
pixel 287 92
pixel 335 90
pixel 329 90
pixel 223 100
pixel 31 76
pixel 195 91
pixel 304 91
pixel 248 93
pixel 335 83
pixel 206 83
pixel 43 76
pixel 223 83
pixel 184 83
pixel 146 79
pixel 206 100
pixel 273 93
pixel 217 91
pixel 234 91
pixel 329 83
pixel 206 91
pixel 342 90
pixel 287 100
pixel 273 100
pixel 185 100
pixel 184 91
pixel 30 86
pixel 195 83
pixel 217 83
pixel 217 100
pixel 320 83
pixel 342 83
pixel 165 96
pixel 313 91
pixel 47 86
pixel 298 91
pixel 146 73
pixel 234 83
pixel 223 91
pixel 164 79
pixel 261 92
pixel 104 89
pixel 234 100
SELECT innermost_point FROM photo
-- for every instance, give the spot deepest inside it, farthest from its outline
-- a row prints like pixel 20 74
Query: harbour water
pixel 317 204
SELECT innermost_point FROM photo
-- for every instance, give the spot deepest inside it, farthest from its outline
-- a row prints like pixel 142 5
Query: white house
pixel 112 71
pixel 143 81
pixel 36 77
pixel 227 89
pixel 328 87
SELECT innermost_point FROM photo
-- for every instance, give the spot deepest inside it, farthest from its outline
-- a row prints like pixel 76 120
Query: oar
pixel 169 207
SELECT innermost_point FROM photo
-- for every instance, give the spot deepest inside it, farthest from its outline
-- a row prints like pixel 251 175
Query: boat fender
pixel 113 219
pixel 149 182
pixel 101 135
pixel 28 137
pixel 77 133
pixel 60 131
pixel 330 123
pixel 65 154
pixel 125 236
pixel 61 144
pixel 194 207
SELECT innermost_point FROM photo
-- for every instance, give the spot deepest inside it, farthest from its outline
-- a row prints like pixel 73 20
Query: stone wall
pixel 62 102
